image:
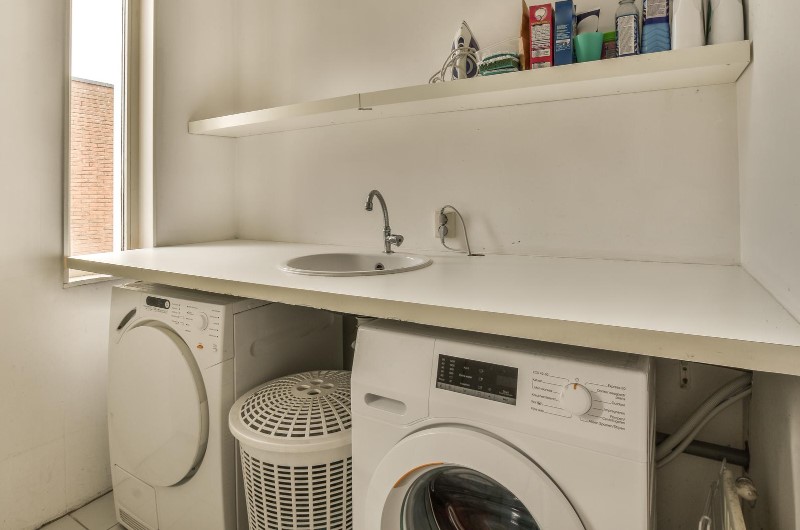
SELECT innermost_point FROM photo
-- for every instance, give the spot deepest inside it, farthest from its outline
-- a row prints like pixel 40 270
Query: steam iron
pixel 466 64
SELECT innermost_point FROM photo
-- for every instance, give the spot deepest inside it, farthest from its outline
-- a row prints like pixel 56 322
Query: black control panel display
pixel 161 303
pixel 477 378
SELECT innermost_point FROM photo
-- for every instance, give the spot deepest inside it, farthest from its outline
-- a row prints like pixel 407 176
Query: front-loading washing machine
pixel 462 431
pixel 178 359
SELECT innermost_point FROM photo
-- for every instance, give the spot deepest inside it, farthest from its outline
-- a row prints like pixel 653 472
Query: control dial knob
pixel 201 321
pixel 576 398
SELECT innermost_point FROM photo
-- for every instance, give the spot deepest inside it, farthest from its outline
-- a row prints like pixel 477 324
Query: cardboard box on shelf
pixel 541 24
pixel 565 27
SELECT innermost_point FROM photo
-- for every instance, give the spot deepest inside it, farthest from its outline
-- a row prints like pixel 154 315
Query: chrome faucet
pixel 389 238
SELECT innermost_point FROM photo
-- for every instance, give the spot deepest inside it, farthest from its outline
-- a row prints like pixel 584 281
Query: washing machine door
pixel 453 478
pixel 157 406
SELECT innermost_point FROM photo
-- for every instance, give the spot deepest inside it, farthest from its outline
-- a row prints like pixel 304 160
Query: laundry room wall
pixel 194 76
pixel 53 446
pixel 564 178
pixel 769 115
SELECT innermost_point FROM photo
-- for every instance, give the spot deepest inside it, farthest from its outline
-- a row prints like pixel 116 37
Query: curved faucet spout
pixel 388 238
pixel 368 207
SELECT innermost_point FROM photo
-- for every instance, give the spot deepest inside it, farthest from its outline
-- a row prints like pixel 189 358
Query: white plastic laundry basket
pixel 294 435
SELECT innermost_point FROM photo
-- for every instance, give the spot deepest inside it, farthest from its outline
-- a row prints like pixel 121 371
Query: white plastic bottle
pixel 688 24
pixel 726 21
pixel 627 26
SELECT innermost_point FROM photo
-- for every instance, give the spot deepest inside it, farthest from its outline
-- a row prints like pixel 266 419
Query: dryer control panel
pixel 200 324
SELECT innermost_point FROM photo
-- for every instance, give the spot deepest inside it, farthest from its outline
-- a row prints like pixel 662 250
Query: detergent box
pixel 541 21
pixel 565 26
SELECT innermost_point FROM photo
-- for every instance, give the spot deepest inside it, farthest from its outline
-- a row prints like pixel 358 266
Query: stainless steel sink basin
pixel 345 264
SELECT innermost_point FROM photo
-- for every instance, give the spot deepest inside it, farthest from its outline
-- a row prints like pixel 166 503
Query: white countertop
pixel 705 313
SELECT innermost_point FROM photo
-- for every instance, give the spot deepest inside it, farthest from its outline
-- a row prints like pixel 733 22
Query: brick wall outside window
pixel 91 167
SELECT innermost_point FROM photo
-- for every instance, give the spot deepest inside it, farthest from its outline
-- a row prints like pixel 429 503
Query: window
pixel 97 215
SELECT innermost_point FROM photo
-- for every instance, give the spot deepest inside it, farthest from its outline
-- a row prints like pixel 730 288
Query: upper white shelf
pixel 707 65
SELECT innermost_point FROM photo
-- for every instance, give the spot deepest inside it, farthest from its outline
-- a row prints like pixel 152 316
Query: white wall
pixel 310 186
pixel 769 125
pixel 53 439
pixel 195 77
pixel 769 118
pixel 537 179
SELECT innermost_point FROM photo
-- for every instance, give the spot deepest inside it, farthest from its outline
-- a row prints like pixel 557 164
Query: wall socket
pixel 451 224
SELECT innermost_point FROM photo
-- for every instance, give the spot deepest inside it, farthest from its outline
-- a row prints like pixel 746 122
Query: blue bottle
pixel 655 31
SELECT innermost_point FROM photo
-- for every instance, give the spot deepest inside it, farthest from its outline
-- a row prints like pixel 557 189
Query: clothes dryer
pixel 453 431
pixel 178 360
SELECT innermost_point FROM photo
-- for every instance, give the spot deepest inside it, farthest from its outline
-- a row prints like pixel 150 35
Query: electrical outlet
pixel 451 224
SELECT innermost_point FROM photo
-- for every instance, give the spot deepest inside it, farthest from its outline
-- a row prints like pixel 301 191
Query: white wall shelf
pixel 707 65
pixel 704 313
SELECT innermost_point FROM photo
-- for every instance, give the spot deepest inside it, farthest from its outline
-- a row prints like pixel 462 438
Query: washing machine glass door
pixel 459 478
pixel 157 406
pixel 454 498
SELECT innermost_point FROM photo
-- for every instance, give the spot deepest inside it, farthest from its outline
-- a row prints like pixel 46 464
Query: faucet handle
pixel 395 239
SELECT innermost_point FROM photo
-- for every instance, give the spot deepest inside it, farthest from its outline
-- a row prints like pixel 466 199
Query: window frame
pixel 132 51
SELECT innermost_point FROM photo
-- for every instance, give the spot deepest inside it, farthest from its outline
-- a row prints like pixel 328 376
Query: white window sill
pixel 75 278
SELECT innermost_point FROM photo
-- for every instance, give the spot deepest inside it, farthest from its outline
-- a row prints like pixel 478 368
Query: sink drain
pixel 379 267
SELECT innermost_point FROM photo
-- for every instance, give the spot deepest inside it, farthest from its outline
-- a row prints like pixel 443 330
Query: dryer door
pixel 451 478
pixel 157 406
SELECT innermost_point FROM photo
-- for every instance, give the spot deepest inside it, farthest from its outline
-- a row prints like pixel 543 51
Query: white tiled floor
pixel 97 515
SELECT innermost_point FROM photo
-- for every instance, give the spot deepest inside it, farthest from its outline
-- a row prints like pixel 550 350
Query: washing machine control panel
pixel 602 402
pixel 490 381
pixel 584 397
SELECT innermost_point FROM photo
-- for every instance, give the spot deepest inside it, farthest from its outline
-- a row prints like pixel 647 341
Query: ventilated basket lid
pixel 306 411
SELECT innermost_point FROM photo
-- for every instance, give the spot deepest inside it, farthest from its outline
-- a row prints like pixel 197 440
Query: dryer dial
pixel 201 321
pixel 576 398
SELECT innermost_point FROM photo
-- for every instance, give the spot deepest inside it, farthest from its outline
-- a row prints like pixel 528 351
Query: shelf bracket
pixel 360 106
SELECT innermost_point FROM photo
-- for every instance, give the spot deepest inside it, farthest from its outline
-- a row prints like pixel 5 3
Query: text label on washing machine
pixel 477 378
